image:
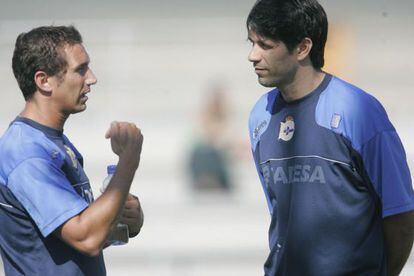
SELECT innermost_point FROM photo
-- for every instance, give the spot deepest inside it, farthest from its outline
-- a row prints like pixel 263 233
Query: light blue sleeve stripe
pixel 364 122
pixel 78 207
pixel 385 161
pixel 45 193
pixel 260 117
pixel 258 123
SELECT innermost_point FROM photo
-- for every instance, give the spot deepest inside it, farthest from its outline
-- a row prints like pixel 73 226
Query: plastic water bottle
pixel 121 234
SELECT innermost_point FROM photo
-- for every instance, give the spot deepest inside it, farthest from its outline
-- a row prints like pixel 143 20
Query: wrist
pixel 128 161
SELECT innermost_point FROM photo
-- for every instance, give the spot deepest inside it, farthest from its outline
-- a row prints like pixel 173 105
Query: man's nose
pixel 254 55
pixel 91 80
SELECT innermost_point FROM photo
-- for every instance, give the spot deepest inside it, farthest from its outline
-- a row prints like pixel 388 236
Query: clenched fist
pixel 126 140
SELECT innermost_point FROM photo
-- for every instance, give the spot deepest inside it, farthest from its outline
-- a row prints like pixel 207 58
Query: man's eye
pixel 265 46
pixel 82 70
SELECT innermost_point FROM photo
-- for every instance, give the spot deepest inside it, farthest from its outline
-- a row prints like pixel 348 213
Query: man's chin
pixel 266 82
pixel 79 109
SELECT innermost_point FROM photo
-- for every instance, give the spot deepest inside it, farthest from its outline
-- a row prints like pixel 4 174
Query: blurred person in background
pixel 332 166
pixel 209 164
pixel 50 223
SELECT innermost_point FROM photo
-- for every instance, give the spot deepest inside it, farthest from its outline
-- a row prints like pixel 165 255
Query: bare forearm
pixel 399 236
pixel 88 231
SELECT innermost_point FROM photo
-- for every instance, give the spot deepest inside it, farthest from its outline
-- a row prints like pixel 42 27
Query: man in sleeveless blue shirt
pixel 332 166
pixel 50 223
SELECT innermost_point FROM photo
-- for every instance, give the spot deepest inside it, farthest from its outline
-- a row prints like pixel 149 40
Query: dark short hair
pixel 41 49
pixel 290 21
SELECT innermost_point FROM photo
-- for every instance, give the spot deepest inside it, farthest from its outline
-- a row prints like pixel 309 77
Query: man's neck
pixel 303 83
pixel 44 114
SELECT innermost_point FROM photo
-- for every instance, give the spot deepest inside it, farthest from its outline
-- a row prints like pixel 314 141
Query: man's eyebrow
pixel 82 65
pixel 260 39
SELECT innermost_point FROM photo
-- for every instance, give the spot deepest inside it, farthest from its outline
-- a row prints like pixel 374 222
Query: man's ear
pixel 303 49
pixel 42 81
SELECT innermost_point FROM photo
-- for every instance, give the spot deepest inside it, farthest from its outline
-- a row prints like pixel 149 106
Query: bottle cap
pixel 111 169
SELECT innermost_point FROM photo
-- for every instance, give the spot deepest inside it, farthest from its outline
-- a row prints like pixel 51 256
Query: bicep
pixel 402 223
pixel 76 234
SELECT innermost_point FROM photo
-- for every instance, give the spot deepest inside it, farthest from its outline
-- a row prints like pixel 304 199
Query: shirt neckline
pixel 321 87
pixel 49 131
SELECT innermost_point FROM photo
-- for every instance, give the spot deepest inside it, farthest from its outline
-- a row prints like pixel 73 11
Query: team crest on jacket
pixel 287 129
pixel 72 156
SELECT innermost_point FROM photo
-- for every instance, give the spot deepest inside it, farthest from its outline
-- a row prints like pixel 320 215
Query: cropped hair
pixel 290 21
pixel 41 49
